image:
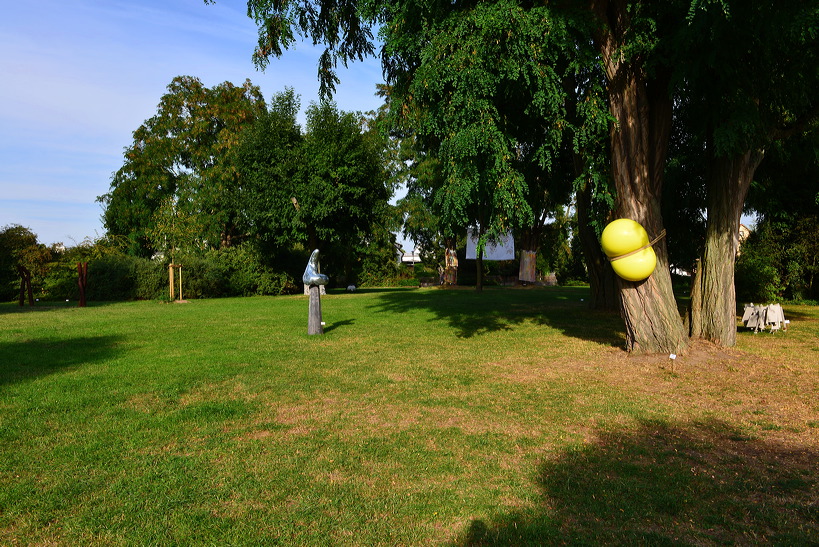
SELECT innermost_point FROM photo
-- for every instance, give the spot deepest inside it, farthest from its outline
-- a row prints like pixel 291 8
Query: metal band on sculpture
pixel 635 251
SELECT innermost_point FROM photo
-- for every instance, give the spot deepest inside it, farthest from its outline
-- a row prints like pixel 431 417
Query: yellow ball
pixel 623 236
pixel 636 267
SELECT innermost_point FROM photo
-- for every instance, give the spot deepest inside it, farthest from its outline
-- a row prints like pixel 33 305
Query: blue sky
pixel 79 76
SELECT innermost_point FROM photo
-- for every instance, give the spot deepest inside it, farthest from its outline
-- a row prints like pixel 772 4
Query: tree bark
pixel 713 306
pixel 639 143
pixel 602 279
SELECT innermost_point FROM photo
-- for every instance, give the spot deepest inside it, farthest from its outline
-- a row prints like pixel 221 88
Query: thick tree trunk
pixel 653 323
pixel 639 143
pixel 713 306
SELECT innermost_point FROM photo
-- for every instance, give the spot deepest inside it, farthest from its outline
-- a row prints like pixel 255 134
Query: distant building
pixel 744 233
pixel 411 258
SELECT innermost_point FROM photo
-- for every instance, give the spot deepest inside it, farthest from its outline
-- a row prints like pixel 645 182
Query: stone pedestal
pixel 314 317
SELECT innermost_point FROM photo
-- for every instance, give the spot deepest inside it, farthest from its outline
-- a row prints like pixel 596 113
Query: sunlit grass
pixel 419 416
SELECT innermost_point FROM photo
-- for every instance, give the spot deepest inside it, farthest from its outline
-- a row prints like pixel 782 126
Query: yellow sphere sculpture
pixel 623 237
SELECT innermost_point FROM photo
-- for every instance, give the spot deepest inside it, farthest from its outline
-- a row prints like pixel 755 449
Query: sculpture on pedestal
pixel 314 279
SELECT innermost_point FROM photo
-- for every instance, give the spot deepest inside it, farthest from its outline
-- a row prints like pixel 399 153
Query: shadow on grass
pixel 336 324
pixel 30 359
pixel 46 306
pixel 667 485
pixel 496 309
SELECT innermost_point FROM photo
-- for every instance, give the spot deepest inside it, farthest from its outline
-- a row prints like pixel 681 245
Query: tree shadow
pixel 698 484
pixel 472 313
pixel 46 306
pixel 30 359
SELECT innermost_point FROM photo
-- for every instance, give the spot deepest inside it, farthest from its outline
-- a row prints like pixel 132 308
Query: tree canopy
pixel 182 159
pixel 218 167
pixel 745 71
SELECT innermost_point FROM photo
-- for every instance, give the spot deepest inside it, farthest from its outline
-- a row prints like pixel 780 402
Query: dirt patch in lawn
pixel 774 398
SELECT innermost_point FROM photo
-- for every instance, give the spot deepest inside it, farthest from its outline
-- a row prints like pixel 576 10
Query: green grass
pixel 420 416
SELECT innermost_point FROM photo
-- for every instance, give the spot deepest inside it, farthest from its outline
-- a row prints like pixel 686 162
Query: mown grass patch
pixel 420 416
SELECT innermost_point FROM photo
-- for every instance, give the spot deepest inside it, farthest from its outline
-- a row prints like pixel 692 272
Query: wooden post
pixel 180 282
pixel 314 317
pixel 170 281
pixel 82 271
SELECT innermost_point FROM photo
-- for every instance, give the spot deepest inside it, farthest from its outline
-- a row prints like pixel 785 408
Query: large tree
pixel 269 159
pixel 183 158
pixel 639 45
pixel 750 71
pixel 488 90
pixel 18 247
pixel 326 187
pixel 639 102
pixel 629 38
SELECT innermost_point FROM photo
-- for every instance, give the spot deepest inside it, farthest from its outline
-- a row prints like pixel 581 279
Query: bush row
pixel 230 272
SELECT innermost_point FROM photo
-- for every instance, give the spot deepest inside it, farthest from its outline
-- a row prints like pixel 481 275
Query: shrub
pixel 756 278
pixel 151 279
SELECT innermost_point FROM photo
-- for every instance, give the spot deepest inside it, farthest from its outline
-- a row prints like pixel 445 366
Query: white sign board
pixel 503 249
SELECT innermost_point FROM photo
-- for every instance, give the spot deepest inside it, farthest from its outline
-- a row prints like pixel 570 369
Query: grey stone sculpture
pixel 312 275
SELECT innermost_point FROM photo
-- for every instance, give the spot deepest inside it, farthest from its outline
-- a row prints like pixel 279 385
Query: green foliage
pixel 326 188
pixel 379 263
pixel 488 87
pixel 779 260
pixel 246 273
pixel 19 247
pixel 182 163
pixel 764 92
pixel 269 159
pixel 344 178
pixel 786 184
pixel 112 278
pixel 342 30
pixel 756 278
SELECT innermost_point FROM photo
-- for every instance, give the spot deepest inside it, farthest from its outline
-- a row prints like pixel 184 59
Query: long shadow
pixel 496 309
pixel 40 307
pixel 29 359
pixel 703 484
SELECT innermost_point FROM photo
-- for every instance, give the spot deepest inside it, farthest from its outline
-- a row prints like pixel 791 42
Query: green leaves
pixel 185 153
pixel 488 87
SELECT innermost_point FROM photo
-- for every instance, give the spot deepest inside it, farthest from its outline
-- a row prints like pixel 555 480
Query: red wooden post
pixel 82 270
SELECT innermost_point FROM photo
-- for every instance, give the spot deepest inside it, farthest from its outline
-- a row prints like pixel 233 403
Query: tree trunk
pixel 527 270
pixel 639 143
pixel 479 271
pixel 713 307
pixel 602 279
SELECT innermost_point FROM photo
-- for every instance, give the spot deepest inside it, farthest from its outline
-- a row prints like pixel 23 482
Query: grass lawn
pixel 421 416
